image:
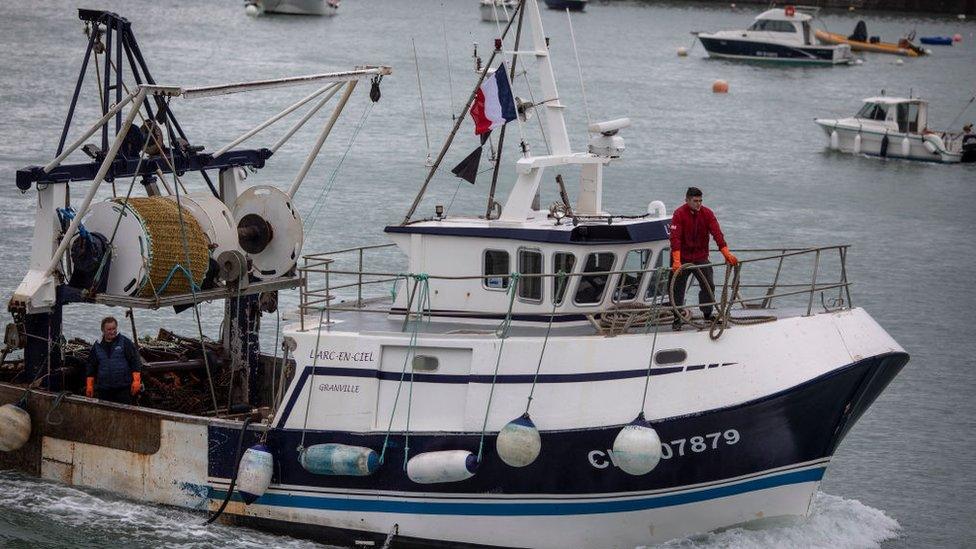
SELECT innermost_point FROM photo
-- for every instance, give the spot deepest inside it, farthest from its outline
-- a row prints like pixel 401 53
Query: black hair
pixel 693 191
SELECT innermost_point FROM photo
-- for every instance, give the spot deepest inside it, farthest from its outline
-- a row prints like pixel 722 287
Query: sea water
pixel 903 477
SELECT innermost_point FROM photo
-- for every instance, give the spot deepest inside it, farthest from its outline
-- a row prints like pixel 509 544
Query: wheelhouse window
pixel 873 111
pixel 496 263
pixel 658 285
pixel 635 263
pixel 530 263
pixel 908 117
pixel 770 25
pixel 561 261
pixel 590 288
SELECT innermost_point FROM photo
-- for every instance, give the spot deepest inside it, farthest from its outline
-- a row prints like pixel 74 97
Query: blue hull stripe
pixel 529 508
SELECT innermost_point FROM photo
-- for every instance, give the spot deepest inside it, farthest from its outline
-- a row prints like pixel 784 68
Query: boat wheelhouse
pixel 779 34
pixel 895 127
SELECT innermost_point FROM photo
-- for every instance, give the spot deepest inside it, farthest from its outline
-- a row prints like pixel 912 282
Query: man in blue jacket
pixel 114 366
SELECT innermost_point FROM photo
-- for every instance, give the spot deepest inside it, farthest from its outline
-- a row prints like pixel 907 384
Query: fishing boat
pixel 497 10
pixel 292 7
pixel 780 35
pixel 894 127
pixel 860 41
pixel 571 5
pixel 493 379
pixel 936 40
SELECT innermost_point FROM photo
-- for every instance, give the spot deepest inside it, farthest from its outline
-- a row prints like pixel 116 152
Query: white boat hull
pixel 871 143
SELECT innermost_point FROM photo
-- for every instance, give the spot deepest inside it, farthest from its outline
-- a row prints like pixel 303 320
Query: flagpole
pixel 501 135
pixel 460 119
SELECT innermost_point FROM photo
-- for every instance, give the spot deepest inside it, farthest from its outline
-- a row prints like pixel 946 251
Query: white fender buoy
pixel 254 473
pixel 442 466
pixel 252 10
pixel 339 459
pixel 899 61
pixel 15 427
pixel 906 147
pixel 682 52
pixel 932 143
pixel 637 448
pixel 858 61
pixel 834 140
pixel 519 443
pixel 857 144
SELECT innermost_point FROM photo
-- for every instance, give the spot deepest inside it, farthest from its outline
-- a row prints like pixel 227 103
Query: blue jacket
pixel 112 364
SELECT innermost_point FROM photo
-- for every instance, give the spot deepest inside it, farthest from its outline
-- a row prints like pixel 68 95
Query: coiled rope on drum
pixel 422 304
pixel 502 333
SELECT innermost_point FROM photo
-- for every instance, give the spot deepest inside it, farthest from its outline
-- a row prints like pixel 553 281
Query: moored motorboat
pixel 893 127
pixel 497 10
pixel 571 5
pixel 292 7
pixel 779 34
pixel 860 41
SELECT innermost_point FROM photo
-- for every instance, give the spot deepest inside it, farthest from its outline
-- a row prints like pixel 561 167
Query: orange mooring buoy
pixel 720 86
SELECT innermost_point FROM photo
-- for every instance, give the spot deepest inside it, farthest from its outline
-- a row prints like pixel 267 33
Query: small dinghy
pixel 936 40
pixel 860 41
pixel 497 10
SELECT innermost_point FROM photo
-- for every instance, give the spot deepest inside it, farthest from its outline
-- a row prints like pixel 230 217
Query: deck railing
pixel 338 281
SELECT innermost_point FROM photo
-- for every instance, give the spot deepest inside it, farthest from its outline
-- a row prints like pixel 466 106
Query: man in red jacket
pixel 690 226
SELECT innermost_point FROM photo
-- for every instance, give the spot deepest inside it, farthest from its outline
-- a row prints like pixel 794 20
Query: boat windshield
pixel 772 25
pixel 873 111
pixel 806 32
pixel 908 117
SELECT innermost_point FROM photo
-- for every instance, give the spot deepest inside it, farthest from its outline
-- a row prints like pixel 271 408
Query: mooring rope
pixel 501 332
pixel 311 378
pixel 560 280
pixel 423 280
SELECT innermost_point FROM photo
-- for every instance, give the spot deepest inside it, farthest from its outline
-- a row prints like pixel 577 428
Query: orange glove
pixel 136 383
pixel 729 258
pixel 675 260
pixel 90 387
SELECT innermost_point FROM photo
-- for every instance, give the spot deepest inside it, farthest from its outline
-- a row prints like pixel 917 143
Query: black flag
pixel 467 169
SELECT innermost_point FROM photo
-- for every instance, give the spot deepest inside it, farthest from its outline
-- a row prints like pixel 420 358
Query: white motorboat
pixel 779 34
pixel 895 127
pixel 497 10
pixel 514 388
pixel 292 7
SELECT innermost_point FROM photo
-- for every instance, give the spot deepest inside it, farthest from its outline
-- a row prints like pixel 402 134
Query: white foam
pixel 126 522
pixel 833 523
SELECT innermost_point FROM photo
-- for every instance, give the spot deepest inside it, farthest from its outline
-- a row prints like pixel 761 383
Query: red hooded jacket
pixel 690 230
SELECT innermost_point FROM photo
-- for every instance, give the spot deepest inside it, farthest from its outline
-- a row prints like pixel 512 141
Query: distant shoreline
pixel 941 7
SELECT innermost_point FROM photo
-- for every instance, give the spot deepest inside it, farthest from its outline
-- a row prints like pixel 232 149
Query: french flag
pixel 494 104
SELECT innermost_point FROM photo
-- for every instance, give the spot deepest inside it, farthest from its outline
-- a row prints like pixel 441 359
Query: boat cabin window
pixel 873 111
pixel 496 263
pixel 771 25
pixel 634 263
pixel 530 262
pixel 561 261
pixel 806 33
pixel 590 288
pixel 908 117
pixel 658 286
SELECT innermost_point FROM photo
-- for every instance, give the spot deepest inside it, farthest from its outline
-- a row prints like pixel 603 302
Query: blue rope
pixel 169 278
pixel 501 332
pixel 68 214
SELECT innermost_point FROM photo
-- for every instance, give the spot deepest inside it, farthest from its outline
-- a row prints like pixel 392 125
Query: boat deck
pixel 372 319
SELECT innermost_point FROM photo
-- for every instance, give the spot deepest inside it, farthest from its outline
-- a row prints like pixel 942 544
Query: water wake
pixel 833 523
pixel 47 514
